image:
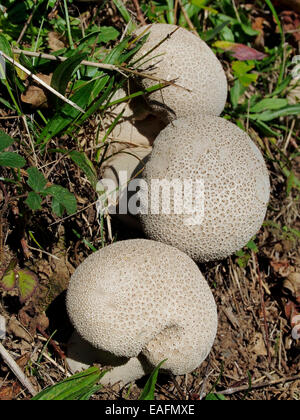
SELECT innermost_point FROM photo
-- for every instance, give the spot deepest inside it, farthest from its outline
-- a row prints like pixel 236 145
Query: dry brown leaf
pixel 55 42
pixel 292 285
pixel 291 23
pixel 8 393
pixel 23 360
pixel 17 330
pixel 35 95
pixel 281 267
pixel 257 345
pixel 258 25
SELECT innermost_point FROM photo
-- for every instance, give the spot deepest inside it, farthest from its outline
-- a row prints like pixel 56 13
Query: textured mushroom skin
pixel 141 296
pixel 236 186
pixel 189 60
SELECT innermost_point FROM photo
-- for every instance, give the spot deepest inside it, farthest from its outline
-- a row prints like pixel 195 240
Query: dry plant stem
pixel 263 306
pixel 188 20
pixel 16 370
pixel 26 25
pixel 97 65
pixel 139 13
pixel 231 391
pixel 59 352
pixel 175 12
pixel 179 390
pixel 41 82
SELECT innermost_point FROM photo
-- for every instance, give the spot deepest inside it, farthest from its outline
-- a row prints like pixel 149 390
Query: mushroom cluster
pixel 136 303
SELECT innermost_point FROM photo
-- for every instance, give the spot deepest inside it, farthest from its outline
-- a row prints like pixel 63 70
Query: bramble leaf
pixel 27 283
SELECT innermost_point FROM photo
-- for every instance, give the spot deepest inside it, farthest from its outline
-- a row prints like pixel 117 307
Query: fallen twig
pixel 103 66
pixel 231 391
pixel 139 13
pixel 41 82
pixel 188 20
pixel 26 24
pixel 17 370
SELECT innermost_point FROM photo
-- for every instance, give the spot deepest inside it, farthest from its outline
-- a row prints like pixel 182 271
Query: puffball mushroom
pixel 212 152
pixel 183 57
pixel 144 301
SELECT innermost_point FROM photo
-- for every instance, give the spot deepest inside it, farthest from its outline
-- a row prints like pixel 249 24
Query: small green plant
pixel 244 255
pixel 215 397
pixel 9 159
pixel 83 385
pixel 24 280
pixel 148 392
pixel 79 387
pixel 62 199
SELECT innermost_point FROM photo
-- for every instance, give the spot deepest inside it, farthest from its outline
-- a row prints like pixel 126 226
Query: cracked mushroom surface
pixel 141 298
pixel 235 194
pixel 189 61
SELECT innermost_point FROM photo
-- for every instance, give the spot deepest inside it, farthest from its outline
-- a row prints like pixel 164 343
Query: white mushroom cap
pixel 236 187
pixel 142 297
pixel 189 60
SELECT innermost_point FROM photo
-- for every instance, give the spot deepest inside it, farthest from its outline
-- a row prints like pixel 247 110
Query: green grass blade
pixel 78 387
pixel 148 392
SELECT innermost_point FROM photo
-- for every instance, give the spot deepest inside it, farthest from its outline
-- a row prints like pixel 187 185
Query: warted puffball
pixel 143 301
pixel 233 181
pixel 189 61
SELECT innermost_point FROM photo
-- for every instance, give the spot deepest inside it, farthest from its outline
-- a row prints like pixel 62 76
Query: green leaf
pixel 215 397
pixel 12 160
pixel 241 71
pixel 57 208
pixel 291 182
pixel 34 201
pixel 36 180
pixel 79 387
pixel 240 68
pixel 64 198
pixel 125 14
pixel 107 34
pixel 8 281
pixel 148 392
pixel 236 92
pixel 249 30
pixel 64 72
pixel 5 141
pixel 252 246
pixel 67 114
pixel 27 283
pixel 5 46
pixel 83 162
pixel 212 33
pixel 273 103
pixel 273 115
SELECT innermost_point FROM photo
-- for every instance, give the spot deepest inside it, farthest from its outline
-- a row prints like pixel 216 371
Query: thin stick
pixel 26 25
pixel 44 252
pixel 139 13
pixel 231 391
pixel 41 82
pixel 16 370
pixel 98 65
pixel 188 20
